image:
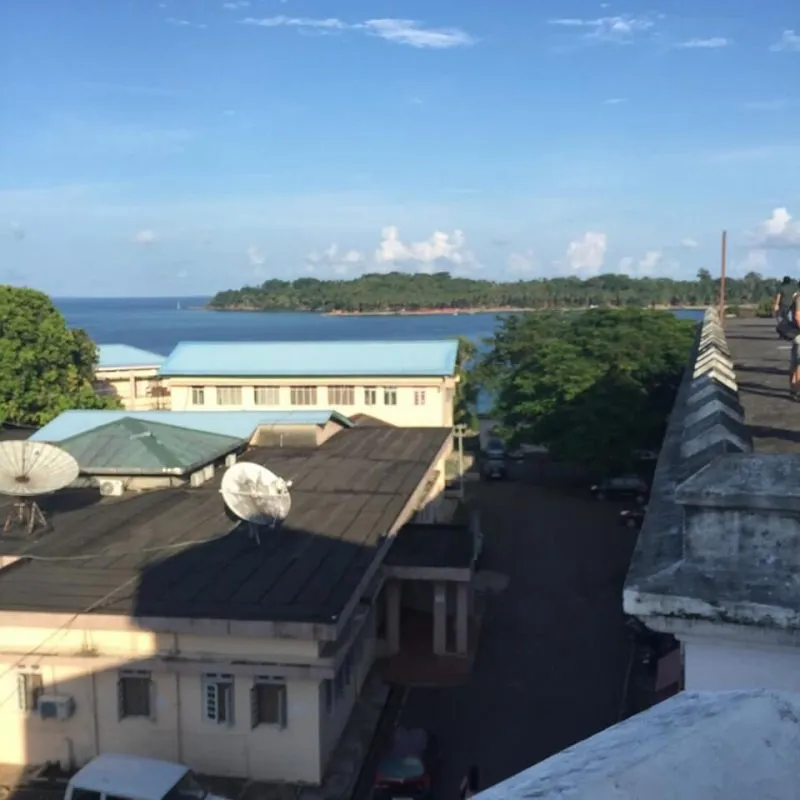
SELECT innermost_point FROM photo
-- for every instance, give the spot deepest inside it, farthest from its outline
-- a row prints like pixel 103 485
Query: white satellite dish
pixel 29 469
pixel 256 495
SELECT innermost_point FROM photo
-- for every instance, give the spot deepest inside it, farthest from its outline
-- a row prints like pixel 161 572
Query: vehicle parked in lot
pixel 632 517
pixel 124 777
pixel 494 460
pixel 408 768
pixel 624 487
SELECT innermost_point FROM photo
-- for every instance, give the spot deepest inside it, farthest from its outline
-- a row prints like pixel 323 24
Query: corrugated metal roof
pixel 313 359
pixel 121 356
pixel 240 424
pixel 130 446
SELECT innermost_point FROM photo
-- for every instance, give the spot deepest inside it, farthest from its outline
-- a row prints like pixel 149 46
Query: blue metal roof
pixel 122 356
pixel 313 359
pixel 239 424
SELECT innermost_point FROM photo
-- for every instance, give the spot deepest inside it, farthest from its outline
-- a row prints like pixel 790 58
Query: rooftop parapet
pixel 721 539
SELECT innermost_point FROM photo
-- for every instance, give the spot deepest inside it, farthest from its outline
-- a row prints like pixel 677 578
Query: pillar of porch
pixel 132 390
pixel 392 590
pixel 440 619
pixel 462 618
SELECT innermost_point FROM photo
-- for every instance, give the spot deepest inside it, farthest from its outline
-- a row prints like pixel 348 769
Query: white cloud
pixel 255 256
pixel 789 41
pixel 712 43
pixel 650 262
pixel 521 263
pixel 615 101
pixel 17 231
pixel 439 249
pixel 400 31
pixel 236 5
pixel 334 258
pixel 626 265
pixel 588 253
pixel 689 244
pixel 754 261
pixel 779 231
pixel 185 23
pixel 145 236
pixel 621 28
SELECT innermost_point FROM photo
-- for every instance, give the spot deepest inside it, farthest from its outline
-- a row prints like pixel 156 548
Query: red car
pixel 407 769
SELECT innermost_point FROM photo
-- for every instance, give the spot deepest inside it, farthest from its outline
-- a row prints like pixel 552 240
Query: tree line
pixel 400 291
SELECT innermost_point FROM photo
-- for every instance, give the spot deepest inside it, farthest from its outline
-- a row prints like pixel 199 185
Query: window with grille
pixel 198 396
pixel 268 702
pixel 342 395
pixel 370 397
pixel 218 699
pixel 29 686
pixel 419 397
pixel 135 694
pixel 303 395
pixel 390 395
pixel 229 395
pixel 267 395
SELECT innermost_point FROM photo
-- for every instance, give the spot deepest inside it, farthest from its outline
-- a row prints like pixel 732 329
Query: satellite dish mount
pixel 257 496
pixel 28 470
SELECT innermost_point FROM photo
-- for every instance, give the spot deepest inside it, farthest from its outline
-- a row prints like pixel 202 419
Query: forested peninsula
pixel 401 292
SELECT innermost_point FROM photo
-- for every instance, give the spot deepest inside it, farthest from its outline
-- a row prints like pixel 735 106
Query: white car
pixel 123 777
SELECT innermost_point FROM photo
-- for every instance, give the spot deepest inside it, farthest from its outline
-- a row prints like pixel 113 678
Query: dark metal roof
pixel 130 446
pixel 436 546
pixel 170 553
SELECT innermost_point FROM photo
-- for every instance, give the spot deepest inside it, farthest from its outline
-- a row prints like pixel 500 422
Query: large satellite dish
pixel 256 495
pixel 29 469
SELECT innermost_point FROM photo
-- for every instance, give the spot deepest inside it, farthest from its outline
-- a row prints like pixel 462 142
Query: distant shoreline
pixel 430 312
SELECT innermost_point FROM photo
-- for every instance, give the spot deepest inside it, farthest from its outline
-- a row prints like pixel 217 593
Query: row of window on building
pixel 136 694
pixel 305 395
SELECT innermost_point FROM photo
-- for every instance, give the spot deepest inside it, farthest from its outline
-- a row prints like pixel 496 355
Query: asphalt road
pixel 553 654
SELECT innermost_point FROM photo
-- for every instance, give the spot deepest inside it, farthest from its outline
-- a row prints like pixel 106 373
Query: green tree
pixel 594 388
pixel 398 291
pixel 465 404
pixel 45 367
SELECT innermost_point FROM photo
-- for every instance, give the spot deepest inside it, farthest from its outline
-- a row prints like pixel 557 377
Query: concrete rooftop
pixel 721 539
pixel 697 746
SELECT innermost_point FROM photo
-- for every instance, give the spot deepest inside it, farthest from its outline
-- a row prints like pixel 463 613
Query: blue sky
pixel 156 147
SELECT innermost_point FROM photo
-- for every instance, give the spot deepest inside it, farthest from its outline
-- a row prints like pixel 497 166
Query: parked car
pixel 495 460
pixel 126 777
pixel 632 517
pixel 408 768
pixel 624 487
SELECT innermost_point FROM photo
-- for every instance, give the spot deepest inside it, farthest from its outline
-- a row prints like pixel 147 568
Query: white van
pixel 120 777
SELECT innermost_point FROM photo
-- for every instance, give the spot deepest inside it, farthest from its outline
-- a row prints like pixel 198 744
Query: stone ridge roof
pixel 130 446
pixel 721 537
pixel 713 745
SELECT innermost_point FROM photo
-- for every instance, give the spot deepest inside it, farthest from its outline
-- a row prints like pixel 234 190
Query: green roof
pixel 136 447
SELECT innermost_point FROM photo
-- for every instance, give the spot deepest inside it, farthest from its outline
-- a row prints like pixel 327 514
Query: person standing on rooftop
pixel 783 300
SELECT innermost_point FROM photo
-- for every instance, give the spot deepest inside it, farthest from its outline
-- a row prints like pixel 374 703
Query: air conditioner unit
pixel 230 459
pixel 111 488
pixel 208 472
pixel 55 706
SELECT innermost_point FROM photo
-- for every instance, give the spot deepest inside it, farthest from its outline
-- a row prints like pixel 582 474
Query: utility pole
pixel 460 431
pixel 724 255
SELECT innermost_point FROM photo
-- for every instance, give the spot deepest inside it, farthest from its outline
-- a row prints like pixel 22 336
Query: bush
pixel 765 309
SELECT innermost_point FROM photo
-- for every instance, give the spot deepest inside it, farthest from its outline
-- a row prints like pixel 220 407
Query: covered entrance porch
pixel 427 614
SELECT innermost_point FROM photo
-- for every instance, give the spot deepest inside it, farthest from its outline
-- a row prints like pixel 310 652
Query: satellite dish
pixel 256 495
pixel 29 469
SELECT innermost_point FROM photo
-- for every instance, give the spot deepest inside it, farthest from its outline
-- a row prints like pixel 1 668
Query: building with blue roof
pixel 403 383
pixel 131 375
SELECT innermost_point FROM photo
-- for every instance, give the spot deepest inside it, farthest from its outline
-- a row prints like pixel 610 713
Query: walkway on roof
pixel 129 446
